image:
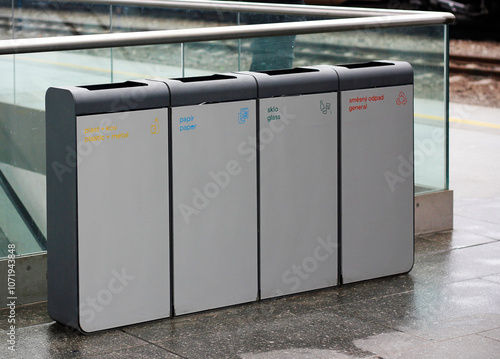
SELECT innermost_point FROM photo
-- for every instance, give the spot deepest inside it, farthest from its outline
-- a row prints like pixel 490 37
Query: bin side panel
pixel 123 216
pixel 214 205
pixel 62 239
pixel 298 160
pixel 377 182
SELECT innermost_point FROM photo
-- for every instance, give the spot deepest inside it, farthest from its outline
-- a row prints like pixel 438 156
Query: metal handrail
pixel 253 7
pixel 82 42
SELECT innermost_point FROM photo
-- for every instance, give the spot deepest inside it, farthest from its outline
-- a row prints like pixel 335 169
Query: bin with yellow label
pixel 108 204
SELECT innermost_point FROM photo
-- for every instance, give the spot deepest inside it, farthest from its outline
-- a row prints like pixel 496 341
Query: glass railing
pixel 27 76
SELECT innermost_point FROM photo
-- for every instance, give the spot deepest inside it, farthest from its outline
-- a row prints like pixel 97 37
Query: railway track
pixel 475 65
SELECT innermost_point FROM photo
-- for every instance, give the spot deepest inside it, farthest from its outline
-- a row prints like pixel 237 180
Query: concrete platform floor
pixel 448 306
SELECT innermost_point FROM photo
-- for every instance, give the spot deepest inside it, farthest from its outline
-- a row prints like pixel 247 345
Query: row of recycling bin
pixel 178 196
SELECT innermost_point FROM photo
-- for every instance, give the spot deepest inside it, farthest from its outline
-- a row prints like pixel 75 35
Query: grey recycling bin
pixel 298 180
pixel 376 172
pixel 107 204
pixel 214 187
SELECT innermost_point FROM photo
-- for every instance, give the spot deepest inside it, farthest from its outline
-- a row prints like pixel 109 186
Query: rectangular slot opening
pixel 204 78
pixel 297 70
pixel 117 85
pixel 366 65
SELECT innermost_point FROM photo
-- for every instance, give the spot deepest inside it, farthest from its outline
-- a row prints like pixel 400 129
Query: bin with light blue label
pixel 214 188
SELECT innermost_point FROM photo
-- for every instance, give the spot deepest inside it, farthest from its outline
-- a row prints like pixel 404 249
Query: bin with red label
pixel 376 169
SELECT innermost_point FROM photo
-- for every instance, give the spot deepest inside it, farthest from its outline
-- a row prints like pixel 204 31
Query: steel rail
pixel 251 7
pixel 479 60
pixel 141 38
pixel 475 65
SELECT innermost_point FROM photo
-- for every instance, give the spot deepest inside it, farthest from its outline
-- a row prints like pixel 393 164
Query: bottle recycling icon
pixel 401 100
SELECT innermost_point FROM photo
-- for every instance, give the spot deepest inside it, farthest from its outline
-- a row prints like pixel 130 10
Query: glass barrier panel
pixel 13 230
pixel 205 58
pixel 139 18
pixel 12 227
pixel 146 62
pixel 22 159
pixel 424 48
pixel 48 18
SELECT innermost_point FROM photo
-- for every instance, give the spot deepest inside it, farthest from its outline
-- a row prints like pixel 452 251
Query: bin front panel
pixel 377 182
pixel 214 205
pixel 123 218
pixel 298 176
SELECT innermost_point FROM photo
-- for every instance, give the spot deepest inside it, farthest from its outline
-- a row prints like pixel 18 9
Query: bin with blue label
pixel 214 187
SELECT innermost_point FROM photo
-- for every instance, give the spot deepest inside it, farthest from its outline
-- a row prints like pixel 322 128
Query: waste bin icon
pixel 108 204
